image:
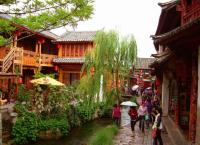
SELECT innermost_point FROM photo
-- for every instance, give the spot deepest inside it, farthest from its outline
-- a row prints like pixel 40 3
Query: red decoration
pixel 157 82
pixel 41 40
pixel 92 71
pixel 17 33
pixel 20 81
pixel 58 45
pixel 56 68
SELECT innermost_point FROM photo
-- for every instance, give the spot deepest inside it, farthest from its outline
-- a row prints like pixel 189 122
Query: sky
pixel 128 17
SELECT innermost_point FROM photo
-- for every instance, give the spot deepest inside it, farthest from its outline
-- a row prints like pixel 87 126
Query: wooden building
pixel 177 66
pixel 29 52
pixel 72 48
pixel 142 73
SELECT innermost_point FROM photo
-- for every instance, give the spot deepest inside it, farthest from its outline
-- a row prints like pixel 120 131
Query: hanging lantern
pixel 92 71
pixel 157 82
pixel 56 68
pixel 58 46
pixel 41 40
pixel 20 81
pixel 17 33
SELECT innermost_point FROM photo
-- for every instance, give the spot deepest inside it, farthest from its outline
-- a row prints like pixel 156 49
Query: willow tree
pixel 112 56
pixel 42 14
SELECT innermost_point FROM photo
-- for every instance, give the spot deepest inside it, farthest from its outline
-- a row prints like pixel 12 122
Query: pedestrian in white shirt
pixel 158 126
pixel 142 111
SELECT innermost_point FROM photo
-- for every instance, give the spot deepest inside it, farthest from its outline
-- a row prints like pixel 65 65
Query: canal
pixel 78 136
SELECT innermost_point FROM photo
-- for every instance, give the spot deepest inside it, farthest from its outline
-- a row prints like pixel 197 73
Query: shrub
pixel 104 136
pixel 23 95
pixel 54 124
pixel 25 128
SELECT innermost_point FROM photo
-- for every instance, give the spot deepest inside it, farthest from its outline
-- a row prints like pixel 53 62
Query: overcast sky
pixel 137 17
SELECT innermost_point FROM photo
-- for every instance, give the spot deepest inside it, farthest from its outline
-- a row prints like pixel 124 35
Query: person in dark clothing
pixel 158 125
pixel 149 110
pixel 134 116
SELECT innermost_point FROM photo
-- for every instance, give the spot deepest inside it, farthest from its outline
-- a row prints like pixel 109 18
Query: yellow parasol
pixel 47 81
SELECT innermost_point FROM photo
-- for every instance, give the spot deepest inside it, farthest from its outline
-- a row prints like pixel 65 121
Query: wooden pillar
pixel 36 48
pixel 60 51
pixel 39 56
pixel 165 94
pixel 60 75
pixel 15 41
pixel 193 98
pixel 198 104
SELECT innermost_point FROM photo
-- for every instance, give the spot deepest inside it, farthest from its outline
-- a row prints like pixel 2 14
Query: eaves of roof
pixel 162 37
pixel 69 60
pixel 43 33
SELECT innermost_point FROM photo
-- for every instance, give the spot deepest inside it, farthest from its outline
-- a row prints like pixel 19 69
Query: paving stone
pixel 127 137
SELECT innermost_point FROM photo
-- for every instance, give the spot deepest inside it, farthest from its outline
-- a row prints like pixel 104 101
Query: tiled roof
pixel 49 34
pixel 69 60
pixel 159 38
pixel 143 63
pixel 168 3
pixel 74 36
pixel 46 33
pixel 5 16
pixel 161 58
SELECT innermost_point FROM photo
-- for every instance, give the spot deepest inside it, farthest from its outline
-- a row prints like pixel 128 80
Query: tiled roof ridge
pixel 79 36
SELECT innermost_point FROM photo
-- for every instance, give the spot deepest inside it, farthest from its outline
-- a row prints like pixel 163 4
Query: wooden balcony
pixel 46 59
pixel 30 59
pixel 33 59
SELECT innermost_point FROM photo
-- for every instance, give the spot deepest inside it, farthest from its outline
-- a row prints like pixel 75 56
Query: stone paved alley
pixel 127 137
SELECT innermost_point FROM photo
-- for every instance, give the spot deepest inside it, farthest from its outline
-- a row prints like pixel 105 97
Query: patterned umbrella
pixel 47 81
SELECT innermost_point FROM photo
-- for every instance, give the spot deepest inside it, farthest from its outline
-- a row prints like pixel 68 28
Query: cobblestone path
pixel 127 137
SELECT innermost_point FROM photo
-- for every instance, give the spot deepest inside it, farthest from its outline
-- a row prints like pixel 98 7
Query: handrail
pixel 8 60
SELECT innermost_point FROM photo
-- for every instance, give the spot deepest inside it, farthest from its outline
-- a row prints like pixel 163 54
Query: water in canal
pixel 80 135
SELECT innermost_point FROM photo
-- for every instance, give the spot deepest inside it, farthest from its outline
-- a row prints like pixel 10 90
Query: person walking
pixel 158 127
pixel 142 111
pixel 116 114
pixel 134 116
pixel 148 117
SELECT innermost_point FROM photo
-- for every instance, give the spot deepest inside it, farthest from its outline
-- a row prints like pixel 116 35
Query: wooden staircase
pixel 12 62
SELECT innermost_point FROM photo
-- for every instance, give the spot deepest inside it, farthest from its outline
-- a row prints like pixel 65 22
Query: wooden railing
pixel 14 59
pixel 8 60
pixel 190 15
pixel 46 59
pixel 30 58
pixel 33 59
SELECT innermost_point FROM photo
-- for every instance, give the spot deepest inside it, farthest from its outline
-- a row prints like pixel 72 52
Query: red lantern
pixel 17 33
pixel 20 81
pixel 56 68
pixel 58 46
pixel 41 40
pixel 157 82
